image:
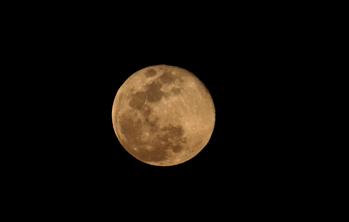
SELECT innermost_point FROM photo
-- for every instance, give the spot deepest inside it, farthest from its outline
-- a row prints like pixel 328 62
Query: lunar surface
pixel 163 115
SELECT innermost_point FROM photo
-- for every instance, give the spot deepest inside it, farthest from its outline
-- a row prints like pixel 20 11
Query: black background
pixel 250 61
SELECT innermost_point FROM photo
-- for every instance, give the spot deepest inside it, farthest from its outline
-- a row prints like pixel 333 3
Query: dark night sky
pixel 249 65
pixel 242 75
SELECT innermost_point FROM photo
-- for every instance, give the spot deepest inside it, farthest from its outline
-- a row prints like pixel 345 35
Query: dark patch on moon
pixel 172 137
pixel 167 78
pixel 177 148
pixel 176 91
pixel 166 138
pixel 153 92
pixel 150 72
pixel 137 101
pixel 131 129
pixel 174 131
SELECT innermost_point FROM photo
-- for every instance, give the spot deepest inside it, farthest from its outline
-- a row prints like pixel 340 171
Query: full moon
pixel 163 115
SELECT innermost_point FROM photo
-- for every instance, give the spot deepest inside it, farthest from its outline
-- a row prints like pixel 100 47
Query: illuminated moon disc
pixel 163 115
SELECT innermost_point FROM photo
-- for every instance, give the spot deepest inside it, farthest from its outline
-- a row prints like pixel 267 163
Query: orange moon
pixel 163 115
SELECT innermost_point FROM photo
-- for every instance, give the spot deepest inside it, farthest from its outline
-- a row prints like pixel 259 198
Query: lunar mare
pixel 163 115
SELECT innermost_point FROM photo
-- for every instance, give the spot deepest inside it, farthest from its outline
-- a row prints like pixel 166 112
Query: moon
pixel 163 115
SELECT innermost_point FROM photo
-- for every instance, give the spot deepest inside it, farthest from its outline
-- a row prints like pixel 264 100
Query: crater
pixel 137 100
pixel 153 92
pixel 150 72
